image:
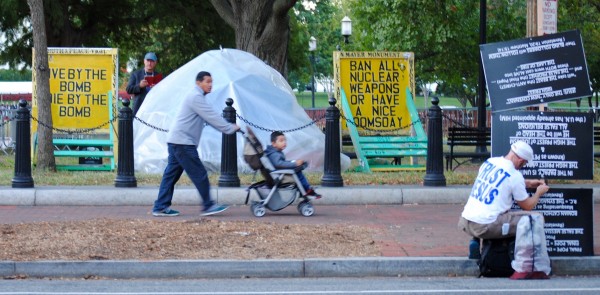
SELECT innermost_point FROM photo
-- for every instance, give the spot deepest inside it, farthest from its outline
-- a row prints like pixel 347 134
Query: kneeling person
pixel 487 214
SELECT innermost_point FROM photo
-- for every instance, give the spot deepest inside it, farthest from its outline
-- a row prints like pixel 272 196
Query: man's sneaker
pixel 166 212
pixel 310 193
pixel 535 275
pixel 474 252
pixel 214 209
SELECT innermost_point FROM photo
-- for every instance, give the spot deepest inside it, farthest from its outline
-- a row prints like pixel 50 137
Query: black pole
pixel 481 92
pixel 435 150
pixel 125 167
pixel 312 62
pixel 332 171
pixel 22 178
pixel 229 176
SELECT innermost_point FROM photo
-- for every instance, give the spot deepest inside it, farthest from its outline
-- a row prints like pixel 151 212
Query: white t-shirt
pixel 497 184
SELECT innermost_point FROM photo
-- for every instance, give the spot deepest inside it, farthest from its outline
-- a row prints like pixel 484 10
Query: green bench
pixel 78 148
pixel 369 149
pixel 395 147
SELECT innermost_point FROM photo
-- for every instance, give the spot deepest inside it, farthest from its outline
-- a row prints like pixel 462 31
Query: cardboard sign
pixel 375 84
pixel 562 143
pixel 80 80
pixel 535 70
pixel 547 15
pixel 568 221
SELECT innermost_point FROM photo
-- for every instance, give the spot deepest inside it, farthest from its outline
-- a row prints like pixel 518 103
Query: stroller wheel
pixel 258 210
pixel 306 208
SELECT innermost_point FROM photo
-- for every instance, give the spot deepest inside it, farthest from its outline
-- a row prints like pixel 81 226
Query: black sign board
pixel 535 70
pixel 562 143
pixel 569 222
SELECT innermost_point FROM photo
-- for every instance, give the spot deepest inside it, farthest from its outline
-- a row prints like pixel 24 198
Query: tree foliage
pixel 262 27
pixel 443 34
pixel 15 75
pixel 179 31
pixel 176 30
pixel 588 13
pixel 319 19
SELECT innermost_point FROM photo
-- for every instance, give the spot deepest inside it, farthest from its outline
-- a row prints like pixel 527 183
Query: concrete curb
pixel 287 268
pixel 142 196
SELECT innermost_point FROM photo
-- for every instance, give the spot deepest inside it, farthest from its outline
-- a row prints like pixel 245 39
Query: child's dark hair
pixel 275 134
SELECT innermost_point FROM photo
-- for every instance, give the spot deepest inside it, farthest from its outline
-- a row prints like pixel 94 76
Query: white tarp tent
pixel 261 96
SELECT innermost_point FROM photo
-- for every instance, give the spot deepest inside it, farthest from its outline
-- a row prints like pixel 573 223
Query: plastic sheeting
pixel 531 254
pixel 261 96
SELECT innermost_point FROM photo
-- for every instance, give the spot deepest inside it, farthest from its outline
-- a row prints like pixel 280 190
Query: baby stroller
pixel 279 189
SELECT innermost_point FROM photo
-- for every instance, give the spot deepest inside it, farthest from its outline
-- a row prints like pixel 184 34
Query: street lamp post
pixel 346 28
pixel 312 46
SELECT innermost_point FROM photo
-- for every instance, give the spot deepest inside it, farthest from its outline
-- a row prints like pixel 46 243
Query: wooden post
pixel 531 18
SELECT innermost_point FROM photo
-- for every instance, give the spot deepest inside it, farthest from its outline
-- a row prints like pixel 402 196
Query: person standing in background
pixel 141 81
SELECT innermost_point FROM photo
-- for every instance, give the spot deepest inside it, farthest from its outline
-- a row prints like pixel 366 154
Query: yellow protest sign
pixel 80 82
pixel 375 85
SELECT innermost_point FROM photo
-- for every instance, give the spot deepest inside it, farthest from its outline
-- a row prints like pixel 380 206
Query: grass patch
pixel 464 175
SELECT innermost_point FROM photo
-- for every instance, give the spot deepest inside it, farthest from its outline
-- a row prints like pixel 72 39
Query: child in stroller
pixel 275 154
pixel 280 187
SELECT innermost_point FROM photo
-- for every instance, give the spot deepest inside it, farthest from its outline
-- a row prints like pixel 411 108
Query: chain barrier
pixel 245 121
pixel 74 131
pixel 314 121
pixel 284 131
pixel 150 125
pixel 411 124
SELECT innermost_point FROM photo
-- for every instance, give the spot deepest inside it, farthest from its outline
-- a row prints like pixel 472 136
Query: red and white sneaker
pixel 310 193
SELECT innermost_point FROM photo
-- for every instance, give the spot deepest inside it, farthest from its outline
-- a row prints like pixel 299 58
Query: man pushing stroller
pixel 275 154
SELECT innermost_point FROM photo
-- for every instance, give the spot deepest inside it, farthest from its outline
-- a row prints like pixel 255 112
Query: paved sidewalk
pixel 419 237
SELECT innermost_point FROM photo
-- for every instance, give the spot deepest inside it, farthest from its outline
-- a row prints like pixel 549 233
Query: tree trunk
pixel 45 152
pixel 261 28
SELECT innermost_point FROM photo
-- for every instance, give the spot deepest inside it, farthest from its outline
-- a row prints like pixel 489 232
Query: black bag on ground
pixel 496 258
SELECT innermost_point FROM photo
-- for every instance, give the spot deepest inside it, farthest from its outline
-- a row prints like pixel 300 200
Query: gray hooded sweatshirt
pixel 194 112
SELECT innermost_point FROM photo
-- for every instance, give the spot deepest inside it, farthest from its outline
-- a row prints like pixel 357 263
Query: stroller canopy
pixel 261 96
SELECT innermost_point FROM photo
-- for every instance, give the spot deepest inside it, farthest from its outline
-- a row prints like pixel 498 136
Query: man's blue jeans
pixel 183 158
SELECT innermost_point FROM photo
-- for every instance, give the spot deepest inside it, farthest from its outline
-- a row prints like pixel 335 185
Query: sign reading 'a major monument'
pixel 375 85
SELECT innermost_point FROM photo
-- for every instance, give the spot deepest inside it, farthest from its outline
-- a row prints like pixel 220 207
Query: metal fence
pixel 460 117
pixel 8 130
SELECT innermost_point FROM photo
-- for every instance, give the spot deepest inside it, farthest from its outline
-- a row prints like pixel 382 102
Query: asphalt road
pixel 304 286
